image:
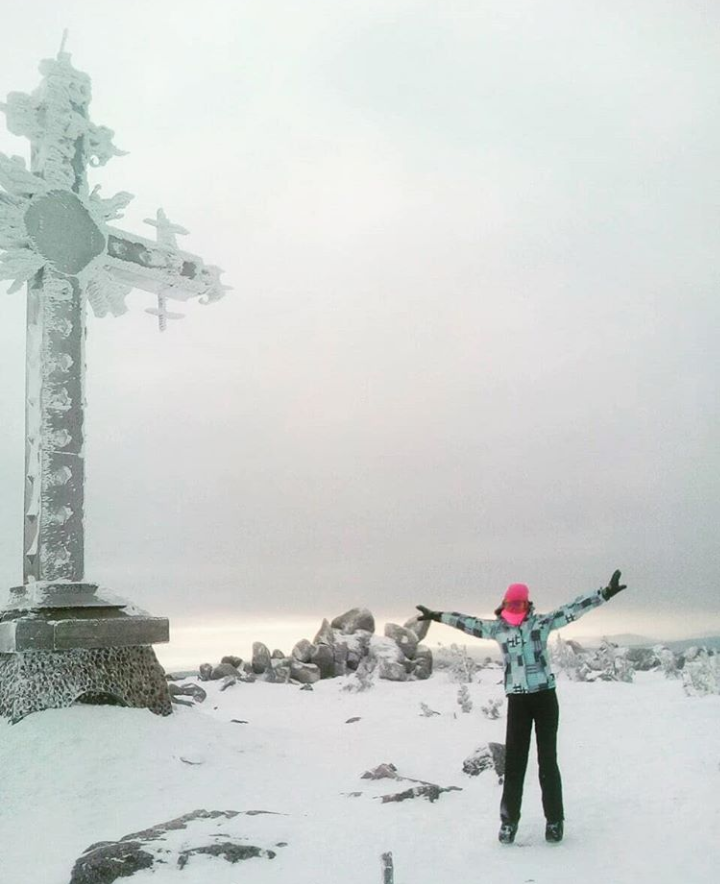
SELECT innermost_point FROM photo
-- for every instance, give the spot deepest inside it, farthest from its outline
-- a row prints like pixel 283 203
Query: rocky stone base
pixel 31 681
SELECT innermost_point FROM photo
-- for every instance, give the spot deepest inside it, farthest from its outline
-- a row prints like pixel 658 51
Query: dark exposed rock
pixel 303 651
pixel 227 850
pixel 188 690
pixel 205 671
pixel 223 670
pixel 323 657
pixel 107 863
pixel 260 658
pixel 278 654
pixel 427 790
pixel 233 661
pixel 340 655
pixel 354 620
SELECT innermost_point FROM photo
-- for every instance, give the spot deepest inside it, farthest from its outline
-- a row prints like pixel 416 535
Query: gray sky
pixel 474 328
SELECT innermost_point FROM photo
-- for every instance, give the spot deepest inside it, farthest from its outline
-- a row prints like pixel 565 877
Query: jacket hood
pixel 513 619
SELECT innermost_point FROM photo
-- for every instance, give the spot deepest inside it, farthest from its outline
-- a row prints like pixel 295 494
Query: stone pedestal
pixel 63 642
pixel 31 681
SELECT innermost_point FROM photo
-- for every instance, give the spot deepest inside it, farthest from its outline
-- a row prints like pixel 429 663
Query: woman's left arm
pixel 582 604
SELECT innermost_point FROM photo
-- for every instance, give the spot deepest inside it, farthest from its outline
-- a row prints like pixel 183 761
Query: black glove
pixel 427 614
pixel 614 587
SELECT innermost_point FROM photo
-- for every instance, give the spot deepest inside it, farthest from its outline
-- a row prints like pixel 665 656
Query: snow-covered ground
pixel 640 764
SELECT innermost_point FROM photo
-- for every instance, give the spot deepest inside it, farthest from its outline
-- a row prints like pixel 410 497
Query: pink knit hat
pixel 516 592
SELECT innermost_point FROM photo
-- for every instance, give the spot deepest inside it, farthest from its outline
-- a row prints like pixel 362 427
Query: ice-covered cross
pixel 54 235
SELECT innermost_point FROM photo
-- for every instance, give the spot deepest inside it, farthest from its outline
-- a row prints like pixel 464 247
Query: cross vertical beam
pixel 55 355
pixel 54 443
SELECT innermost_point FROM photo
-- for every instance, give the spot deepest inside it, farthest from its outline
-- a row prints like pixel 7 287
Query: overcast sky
pixel 473 336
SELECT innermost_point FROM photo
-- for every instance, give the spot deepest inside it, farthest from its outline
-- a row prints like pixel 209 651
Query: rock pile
pixel 339 648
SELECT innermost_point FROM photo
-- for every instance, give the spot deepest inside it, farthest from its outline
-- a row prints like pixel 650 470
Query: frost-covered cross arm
pixel 161 269
pixel 472 625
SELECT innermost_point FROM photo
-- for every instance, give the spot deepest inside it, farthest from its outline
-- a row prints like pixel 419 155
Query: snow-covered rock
pixel 404 638
pixel 418 626
pixel 423 662
pixel 325 635
pixel 354 620
pixel 173 845
pixel 485 757
pixel 306 673
pixel 392 664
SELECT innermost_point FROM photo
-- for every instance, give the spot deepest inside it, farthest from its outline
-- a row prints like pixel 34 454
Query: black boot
pixel 506 835
pixel 554 832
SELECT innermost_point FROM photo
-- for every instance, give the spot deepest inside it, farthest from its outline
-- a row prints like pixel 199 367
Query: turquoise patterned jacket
pixel 524 647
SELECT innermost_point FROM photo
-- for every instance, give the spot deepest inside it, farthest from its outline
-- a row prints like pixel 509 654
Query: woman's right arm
pixel 472 625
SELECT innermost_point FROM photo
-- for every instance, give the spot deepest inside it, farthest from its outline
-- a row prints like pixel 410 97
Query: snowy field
pixel 640 763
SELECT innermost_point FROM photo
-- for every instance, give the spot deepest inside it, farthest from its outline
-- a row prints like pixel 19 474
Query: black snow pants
pixel 524 709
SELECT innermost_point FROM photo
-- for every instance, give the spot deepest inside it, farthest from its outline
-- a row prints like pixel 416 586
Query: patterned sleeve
pixel 573 610
pixel 472 625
